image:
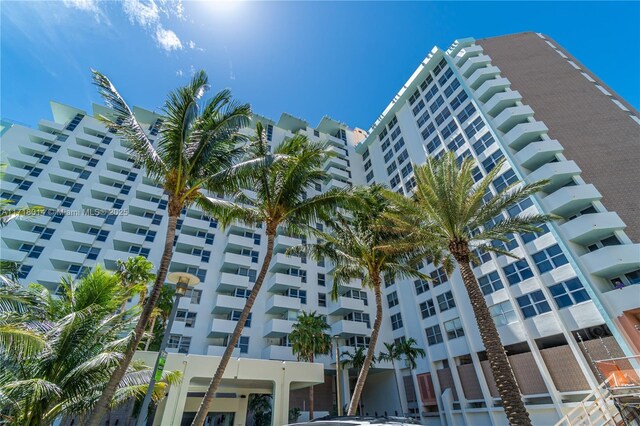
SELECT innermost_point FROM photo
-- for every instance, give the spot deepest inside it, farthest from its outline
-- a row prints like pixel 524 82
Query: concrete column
pixel 174 406
pixel 280 411
pixel 345 394
pixel 240 418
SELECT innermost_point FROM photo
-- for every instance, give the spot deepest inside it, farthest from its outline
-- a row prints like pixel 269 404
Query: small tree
pixel 393 354
pixel 308 339
pixel 411 352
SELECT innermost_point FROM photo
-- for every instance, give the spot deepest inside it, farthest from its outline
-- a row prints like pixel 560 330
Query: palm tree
pixel 362 246
pixel 83 331
pixel 197 146
pixel 135 275
pixel 278 201
pixel 411 351
pixel 452 213
pixel 162 311
pixel 393 354
pixel 308 339
pixel 355 360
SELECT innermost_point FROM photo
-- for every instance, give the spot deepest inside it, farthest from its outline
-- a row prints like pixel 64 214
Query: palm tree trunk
pixel 505 380
pixel 151 327
pixel 103 403
pixel 395 377
pixel 217 378
pixel 362 377
pixel 311 396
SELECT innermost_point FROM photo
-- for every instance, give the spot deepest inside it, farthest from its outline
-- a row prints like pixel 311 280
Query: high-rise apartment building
pixel 570 298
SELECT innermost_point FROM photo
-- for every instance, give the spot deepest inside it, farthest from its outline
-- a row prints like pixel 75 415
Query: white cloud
pixel 192 45
pixel 167 39
pixel 145 15
pixel 87 6
pixel 179 73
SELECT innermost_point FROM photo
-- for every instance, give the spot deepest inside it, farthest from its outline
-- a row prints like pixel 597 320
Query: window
pixel 413 98
pixel 630 278
pixel 426 82
pixel 452 87
pixel 434 335
pixel 395 180
pixel 440 66
pixel 399 144
pixel 194 296
pixel 428 131
pixel 490 283
pixel 369 176
pixel 520 207
pixel 455 143
pixel 392 299
pixel 458 100
pixel 23 271
pixel 386 144
pixel 358 317
pixel 357 294
pixel 388 156
pixel 436 104
pixel 408 168
pixel 31 250
pixel 392 168
pixel 609 241
pixel 393 122
pixel 532 304
pixel 322 299
pixel 235 316
pixel 181 343
pixel 527 238
pixel 433 145
pixel 411 183
pixel 445 301
pixel 322 280
pixel 518 271
pixel 483 256
pixel 453 328
pixel 503 313
pixel 365 154
pixel 421 286
pixel 483 143
pixel 359 341
pixel 568 293
pixel 474 127
pixel 269 132
pixel 449 129
pixel 382 134
pixel 506 246
pixel 422 119
pixel 367 166
pixel 444 114
pixel 189 318
pixel 403 156
pixel 549 258
pixel 504 180
pixel 466 112
pixel 243 344
pixel 427 308
pixel 439 276
pixel 446 76
pixel 431 93
pixel 490 162
pixel 419 107
pixel 299 294
pixel 395 133
pixel 396 321
pixel 388 281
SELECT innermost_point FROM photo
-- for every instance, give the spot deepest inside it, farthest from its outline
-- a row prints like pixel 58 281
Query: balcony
pixel 346 328
pixel 522 134
pixel 20 236
pixel 120 164
pixel 571 199
pixel 81 150
pixel 283 242
pixel 239 241
pixel 222 327
pixel 611 261
pixel 58 188
pixel 511 116
pixel 139 221
pixel 559 173
pixel 344 305
pixel 335 161
pixel 78 237
pixel 502 100
pixel 278 304
pixel 282 261
pixel 624 299
pixel 235 260
pixel 50 278
pixel 280 282
pixel 112 256
pixel 281 353
pixel 225 304
pixel 467 53
pixel 215 350
pixel 589 228
pixel 150 206
pixel 491 87
pixel 335 183
pixel 536 154
pixel 277 328
pixel 473 64
pixel 128 237
pixel 229 282
pixel 339 173
pixel 481 75
pixel 67 256
pixel 12 255
pixel 186 259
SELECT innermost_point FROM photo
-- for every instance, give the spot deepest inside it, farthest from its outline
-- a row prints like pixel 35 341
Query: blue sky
pixel 342 59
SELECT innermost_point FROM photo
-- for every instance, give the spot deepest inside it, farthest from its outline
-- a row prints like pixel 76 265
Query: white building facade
pixel 557 308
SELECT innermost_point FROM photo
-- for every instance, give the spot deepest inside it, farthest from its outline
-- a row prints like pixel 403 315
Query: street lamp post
pixel 339 402
pixel 183 281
